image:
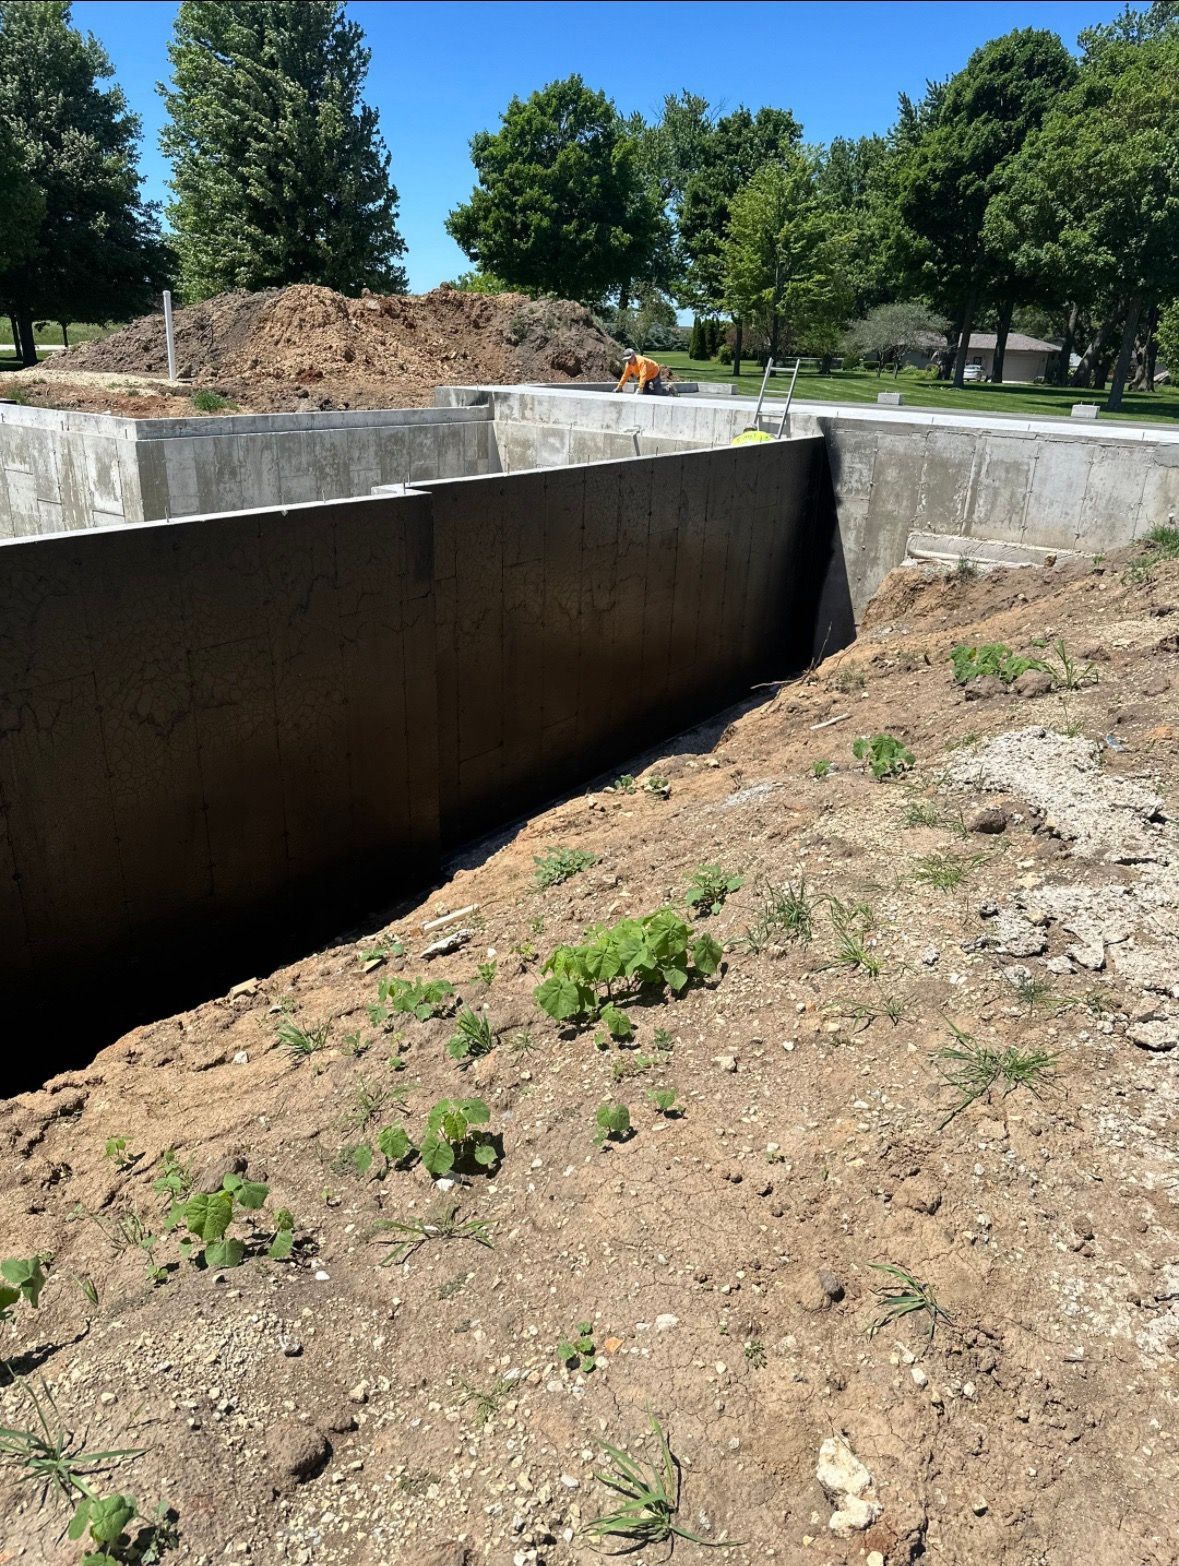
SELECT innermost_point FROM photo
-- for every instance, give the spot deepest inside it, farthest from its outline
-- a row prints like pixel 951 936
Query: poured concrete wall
pixel 63 471
pixel 222 734
pixel 582 612
pixel 1042 483
pixel 207 722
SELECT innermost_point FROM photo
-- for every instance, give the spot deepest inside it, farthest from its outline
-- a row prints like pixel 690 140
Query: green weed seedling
pixel 207 1215
pixel 175 1179
pixel 946 872
pixel 994 658
pixel 921 813
pixel 443 1224
pixel 107 1520
pixel 380 951
pixel 613 1123
pixel 1161 543
pixel 664 1101
pixel 472 1037
pixel 522 1042
pixel 630 1064
pixel 560 864
pixel 127 1233
pixel 486 972
pixel 755 1353
pixel 23 1279
pixel 116 1151
pixel 886 756
pixel 648 1511
pixel 708 888
pixel 577 1352
pixel 624 784
pixel 852 924
pixel 973 1071
pixel 206 401
pixel 619 963
pixel 1067 674
pixel 904 1297
pixel 822 768
pixel 485 1402
pixel 787 915
pixel 302 1043
pixel 420 998
pixel 454 1139
pixel 658 786
pixel 45 1455
pixel 662 1040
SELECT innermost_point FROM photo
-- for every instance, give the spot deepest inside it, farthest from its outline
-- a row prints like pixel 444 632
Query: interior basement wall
pixel 225 736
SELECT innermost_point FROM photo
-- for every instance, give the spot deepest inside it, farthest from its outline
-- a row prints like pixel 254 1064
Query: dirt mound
pixel 933 1046
pixel 279 348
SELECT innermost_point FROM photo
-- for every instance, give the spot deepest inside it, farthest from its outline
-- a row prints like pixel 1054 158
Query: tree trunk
pixel 65 333
pixel 1066 347
pixel 1001 331
pixel 1129 333
pixel 25 344
pixel 1085 373
pixel 775 328
pixel 964 340
pixel 738 338
pixel 15 330
pixel 1144 352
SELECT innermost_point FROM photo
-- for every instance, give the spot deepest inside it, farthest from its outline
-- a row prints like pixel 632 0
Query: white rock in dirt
pixel 666 1322
pixel 725 1062
pixel 930 956
pixel 849 1486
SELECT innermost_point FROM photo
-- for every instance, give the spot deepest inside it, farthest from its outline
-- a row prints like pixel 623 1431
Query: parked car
pixel 973 372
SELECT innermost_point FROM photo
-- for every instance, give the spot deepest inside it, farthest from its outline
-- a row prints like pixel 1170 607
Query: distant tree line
pixel 1033 189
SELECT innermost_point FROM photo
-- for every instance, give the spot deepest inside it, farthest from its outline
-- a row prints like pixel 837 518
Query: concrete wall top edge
pixel 509 397
pixel 376 501
pixel 63 419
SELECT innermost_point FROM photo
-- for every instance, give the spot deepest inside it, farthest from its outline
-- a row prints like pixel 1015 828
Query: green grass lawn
pixel 1161 406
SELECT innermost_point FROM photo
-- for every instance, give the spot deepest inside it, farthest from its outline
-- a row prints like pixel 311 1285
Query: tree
pixel 1169 337
pixel 954 166
pixel 278 167
pixel 562 206
pixel 1094 197
pixel 698 346
pixel 784 264
pixel 81 245
pixel 891 331
pixel 21 201
pixel 478 283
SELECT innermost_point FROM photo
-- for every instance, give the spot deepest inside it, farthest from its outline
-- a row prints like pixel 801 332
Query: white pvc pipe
pixel 169 334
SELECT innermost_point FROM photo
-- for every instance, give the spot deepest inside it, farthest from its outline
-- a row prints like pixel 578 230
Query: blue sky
pixel 442 71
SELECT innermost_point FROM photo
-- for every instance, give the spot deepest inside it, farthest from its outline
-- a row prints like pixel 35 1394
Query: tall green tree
pixel 80 244
pixel 279 171
pixel 563 205
pixel 1094 196
pixel 956 163
pixel 785 263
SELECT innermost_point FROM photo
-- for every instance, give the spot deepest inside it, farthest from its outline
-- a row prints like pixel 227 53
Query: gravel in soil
pixel 397 1395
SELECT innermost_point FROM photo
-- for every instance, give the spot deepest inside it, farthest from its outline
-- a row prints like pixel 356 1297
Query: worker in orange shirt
pixel 648 372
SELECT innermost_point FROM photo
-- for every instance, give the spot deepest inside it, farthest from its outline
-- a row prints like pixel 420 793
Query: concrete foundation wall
pixel 582 612
pixel 222 734
pixel 1046 483
pixel 208 722
pixel 64 471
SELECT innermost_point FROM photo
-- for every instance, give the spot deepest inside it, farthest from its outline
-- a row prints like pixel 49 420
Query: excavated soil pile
pixel 292 348
pixel 943 1039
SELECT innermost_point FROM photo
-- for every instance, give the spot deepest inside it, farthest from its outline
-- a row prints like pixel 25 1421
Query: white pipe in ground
pixel 169 334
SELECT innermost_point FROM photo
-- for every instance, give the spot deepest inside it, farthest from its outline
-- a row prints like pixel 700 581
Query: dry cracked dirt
pixel 397 1394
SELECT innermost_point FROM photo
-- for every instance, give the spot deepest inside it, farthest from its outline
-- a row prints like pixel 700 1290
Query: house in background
pixel 1026 358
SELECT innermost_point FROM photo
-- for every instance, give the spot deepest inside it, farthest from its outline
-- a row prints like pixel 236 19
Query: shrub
pixel 420 998
pixel 698 346
pixel 207 401
pixel 724 354
pixel 708 888
pixel 653 953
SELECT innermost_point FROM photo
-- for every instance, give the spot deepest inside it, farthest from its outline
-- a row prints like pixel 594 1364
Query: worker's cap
pixel 630 354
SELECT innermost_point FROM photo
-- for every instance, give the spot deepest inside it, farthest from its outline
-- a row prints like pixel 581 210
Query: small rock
pixel 930 956
pixel 830 1284
pixel 242 1058
pixel 245 988
pixel 1033 682
pixel 983 686
pixel 979 1507
pixel 725 1062
pixel 849 1487
pixel 920 1379
pixel 991 819
pixel 918 1195
pixel 1061 967
pixel 1157 685
pixel 359 1393
pixel 296 1451
pixel 666 1321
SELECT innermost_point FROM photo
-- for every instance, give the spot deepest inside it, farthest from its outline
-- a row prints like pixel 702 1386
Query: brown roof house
pixel 1026 358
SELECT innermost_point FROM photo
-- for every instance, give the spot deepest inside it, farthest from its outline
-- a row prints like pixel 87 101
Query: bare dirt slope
pixel 307 347
pixel 366 1402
